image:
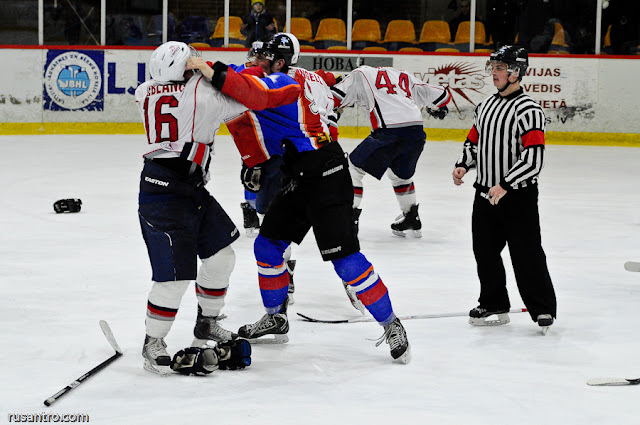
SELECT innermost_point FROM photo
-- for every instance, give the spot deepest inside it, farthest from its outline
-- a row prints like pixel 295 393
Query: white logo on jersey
pixel 273 78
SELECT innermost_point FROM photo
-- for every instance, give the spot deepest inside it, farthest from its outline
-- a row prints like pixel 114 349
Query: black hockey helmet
pixel 280 46
pixel 516 58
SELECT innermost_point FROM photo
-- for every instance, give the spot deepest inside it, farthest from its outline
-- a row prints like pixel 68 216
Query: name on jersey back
pixel 164 89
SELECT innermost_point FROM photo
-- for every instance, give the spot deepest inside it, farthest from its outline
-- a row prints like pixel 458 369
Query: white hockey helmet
pixel 168 61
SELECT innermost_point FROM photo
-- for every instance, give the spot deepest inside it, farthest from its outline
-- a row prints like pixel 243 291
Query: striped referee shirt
pixel 506 142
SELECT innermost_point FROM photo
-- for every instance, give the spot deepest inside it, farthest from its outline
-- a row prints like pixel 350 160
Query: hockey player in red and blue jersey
pixel 318 195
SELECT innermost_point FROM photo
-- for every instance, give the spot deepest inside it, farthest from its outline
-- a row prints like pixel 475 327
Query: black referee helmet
pixel 515 57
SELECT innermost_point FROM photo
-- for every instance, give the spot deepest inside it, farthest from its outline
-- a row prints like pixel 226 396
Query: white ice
pixel 61 274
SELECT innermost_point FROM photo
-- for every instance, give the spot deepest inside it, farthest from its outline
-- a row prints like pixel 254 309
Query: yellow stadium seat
pixel 307 47
pixel 237 46
pixel 411 49
pixel 558 37
pixel 483 50
pixel 366 30
pixel 301 28
pixel 464 32
pixel 235 22
pixel 400 33
pixel 235 36
pixel 374 49
pixel 331 32
pixel 606 46
pixel 447 50
pixel 435 32
pixel 200 45
pixel 400 30
pixel 337 48
pixel 332 29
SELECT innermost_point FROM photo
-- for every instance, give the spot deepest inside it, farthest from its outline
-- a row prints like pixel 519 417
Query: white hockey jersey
pixel 393 98
pixel 182 119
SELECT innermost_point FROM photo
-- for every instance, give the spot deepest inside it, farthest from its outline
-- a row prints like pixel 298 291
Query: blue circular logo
pixel 73 81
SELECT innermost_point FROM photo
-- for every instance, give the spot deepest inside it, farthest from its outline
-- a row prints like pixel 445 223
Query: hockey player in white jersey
pixel 180 220
pixel 394 100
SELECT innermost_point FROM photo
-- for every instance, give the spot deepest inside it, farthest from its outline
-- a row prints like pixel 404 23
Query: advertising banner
pixel 578 94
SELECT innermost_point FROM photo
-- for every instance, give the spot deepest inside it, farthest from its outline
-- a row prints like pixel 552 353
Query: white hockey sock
pixel 213 280
pixel 162 306
pixel 404 189
pixel 357 174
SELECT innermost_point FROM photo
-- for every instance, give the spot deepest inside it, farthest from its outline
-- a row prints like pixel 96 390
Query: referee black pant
pixel 514 221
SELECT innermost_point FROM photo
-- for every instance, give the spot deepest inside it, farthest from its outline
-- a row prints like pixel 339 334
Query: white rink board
pixel 578 94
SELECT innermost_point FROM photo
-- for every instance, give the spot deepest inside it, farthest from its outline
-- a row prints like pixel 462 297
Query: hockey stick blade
pixel 112 341
pixel 612 382
pixel 410 317
pixel 632 266
pixel 109 335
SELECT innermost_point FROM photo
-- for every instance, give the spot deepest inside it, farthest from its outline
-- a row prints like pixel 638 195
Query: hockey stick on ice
pixel 612 382
pixel 414 316
pixel 632 266
pixel 112 341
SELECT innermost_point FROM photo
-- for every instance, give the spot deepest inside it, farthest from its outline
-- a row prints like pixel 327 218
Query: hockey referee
pixel 506 146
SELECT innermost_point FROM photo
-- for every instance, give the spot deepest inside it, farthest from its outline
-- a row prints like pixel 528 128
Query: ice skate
pixel 355 302
pixel 408 222
pixel 208 329
pixel 482 317
pixel 291 265
pixel 251 220
pixel 270 324
pixel 544 321
pixel 156 358
pixel 396 337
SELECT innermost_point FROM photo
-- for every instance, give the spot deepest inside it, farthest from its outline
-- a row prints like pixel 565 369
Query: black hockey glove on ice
pixel 67 205
pixel 438 113
pixel 251 177
pixel 234 355
pixel 195 360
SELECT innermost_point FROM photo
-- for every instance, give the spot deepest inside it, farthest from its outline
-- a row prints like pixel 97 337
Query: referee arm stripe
pixel 528 166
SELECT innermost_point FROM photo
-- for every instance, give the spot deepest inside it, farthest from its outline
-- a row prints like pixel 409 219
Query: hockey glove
pixel 67 205
pixel 251 177
pixel 195 360
pixel 234 355
pixel 438 113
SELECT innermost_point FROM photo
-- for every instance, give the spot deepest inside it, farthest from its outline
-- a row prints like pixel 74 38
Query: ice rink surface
pixel 61 274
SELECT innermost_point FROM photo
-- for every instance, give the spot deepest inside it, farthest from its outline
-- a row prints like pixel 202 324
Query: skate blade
pixel 158 370
pixel 252 232
pixel 493 320
pixel 544 329
pixel 405 357
pixel 269 339
pixel 291 300
pixel 417 234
